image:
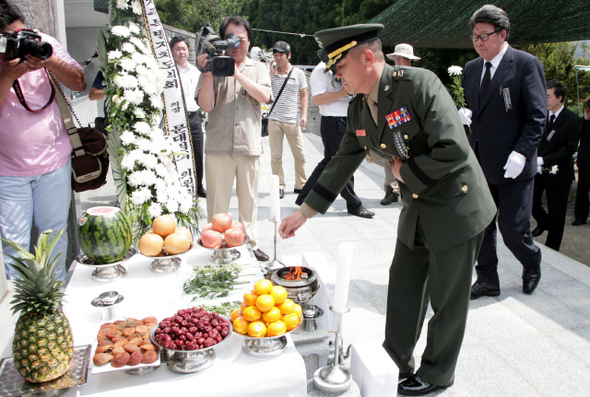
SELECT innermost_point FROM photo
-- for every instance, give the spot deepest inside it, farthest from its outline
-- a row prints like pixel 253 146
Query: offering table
pixel 147 293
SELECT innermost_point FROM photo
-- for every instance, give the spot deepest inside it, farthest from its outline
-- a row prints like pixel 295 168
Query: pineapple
pixel 43 346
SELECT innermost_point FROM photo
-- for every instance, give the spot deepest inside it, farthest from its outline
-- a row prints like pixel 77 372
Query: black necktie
pixel 485 82
pixel 550 124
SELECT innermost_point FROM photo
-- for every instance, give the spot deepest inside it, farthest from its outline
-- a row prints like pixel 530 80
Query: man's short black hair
pixel 236 20
pixel 493 15
pixel 177 39
pixel 559 89
pixel 9 13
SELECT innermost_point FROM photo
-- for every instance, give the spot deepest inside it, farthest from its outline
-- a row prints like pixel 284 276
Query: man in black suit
pixel 505 89
pixel 583 162
pixel 555 166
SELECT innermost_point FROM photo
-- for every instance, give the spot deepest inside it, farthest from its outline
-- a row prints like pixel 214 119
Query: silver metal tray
pixel 12 384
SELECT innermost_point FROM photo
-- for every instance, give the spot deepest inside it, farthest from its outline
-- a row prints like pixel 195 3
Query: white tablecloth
pixel 152 294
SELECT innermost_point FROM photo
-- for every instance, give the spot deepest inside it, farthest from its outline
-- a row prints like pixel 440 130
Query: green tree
pixel 558 61
pixel 190 15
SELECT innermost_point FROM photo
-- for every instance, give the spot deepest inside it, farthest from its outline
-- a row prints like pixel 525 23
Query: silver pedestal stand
pixel 334 378
pixel 275 264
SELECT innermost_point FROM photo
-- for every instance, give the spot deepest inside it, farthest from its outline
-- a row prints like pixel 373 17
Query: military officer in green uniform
pixel 406 115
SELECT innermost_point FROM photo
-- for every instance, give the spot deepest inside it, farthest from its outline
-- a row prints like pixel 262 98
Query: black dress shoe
pixel 296 191
pixel 482 289
pixel 537 231
pixel 362 212
pixel 578 223
pixel 530 279
pixel 414 386
pixel 281 193
pixel 390 197
pixel 260 256
pixel 201 192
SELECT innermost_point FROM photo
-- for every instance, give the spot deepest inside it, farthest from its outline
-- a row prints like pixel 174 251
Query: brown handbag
pixel 90 159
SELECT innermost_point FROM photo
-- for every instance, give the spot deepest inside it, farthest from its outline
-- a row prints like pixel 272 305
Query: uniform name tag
pixel 361 133
pixel 400 145
pixel 507 98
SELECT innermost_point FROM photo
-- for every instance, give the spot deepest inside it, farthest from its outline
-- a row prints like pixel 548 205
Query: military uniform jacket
pixel 443 186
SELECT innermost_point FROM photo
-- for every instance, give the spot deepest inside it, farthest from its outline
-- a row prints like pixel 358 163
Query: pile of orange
pixel 266 311
pixel 165 235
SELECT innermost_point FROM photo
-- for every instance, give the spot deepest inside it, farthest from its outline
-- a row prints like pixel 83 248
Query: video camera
pixel 209 43
pixel 22 42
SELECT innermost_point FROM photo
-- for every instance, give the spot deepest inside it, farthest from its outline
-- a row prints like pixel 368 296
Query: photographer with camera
pixel 234 145
pixel 35 150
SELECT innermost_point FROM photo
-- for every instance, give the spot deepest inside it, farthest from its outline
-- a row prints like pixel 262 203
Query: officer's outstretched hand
pixel 291 224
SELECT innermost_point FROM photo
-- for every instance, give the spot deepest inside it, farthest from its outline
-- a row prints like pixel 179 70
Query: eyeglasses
pixel 483 36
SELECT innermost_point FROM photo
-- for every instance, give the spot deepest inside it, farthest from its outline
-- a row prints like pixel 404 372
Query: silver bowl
pixel 266 346
pixel 189 361
pixel 224 255
pixel 107 272
pixel 167 263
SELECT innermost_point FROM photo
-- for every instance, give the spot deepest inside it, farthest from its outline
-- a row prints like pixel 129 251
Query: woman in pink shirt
pixel 35 169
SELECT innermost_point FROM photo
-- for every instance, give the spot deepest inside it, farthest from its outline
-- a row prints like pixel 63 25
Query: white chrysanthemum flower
pixel 140 44
pixel 172 204
pixel 142 127
pixel 118 100
pixel 128 64
pixel 147 84
pixel 139 113
pixel 134 179
pixel 155 210
pixel 160 170
pixel 128 162
pixel 128 138
pixel 122 4
pixel 133 28
pixel 125 81
pixel 115 54
pixel 186 203
pixel 140 196
pixel 134 97
pixel 554 169
pixel 121 31
pixel 129 48
pixel 149 161
pixel 156 101
pixel 455 70
pixel 136 7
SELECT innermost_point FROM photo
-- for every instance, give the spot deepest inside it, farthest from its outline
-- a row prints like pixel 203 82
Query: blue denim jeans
pixel 44 198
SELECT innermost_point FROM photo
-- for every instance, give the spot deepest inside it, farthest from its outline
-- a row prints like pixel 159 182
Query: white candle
pixel 275 206
pixel 342 278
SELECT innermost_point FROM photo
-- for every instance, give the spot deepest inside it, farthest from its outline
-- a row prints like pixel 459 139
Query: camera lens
pixel 39 49
pixel 223 66
pixel 44 51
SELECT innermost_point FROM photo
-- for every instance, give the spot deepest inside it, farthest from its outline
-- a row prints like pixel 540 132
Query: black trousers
pixel 582 202
pixel 552 220
pixel 514 201
pixel 198 143
pixel 332 130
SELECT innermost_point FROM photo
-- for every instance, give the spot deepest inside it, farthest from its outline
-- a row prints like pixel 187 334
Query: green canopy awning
pixel 444 24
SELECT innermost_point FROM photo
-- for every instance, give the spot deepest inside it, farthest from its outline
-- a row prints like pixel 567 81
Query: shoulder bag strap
pixel 280 91
pixel 66 114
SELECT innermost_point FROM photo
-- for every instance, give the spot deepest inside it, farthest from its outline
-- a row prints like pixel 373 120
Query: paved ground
pixel 515 345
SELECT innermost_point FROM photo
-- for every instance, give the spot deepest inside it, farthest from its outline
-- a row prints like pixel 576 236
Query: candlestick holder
pixel 334 378
pixel 275 264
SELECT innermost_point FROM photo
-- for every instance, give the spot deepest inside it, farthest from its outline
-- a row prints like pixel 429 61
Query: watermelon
pixel 104 234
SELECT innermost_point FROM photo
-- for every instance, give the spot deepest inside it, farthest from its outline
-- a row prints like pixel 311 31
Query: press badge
pixel 507 98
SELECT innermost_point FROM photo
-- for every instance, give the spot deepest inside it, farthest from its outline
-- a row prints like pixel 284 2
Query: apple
pixel 234 237
pixel 208 226
pixel 238 224
pixel 221 222
pixel 211 239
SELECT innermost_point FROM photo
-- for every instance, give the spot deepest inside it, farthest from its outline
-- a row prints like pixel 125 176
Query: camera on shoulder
pixel 217 62
pixel 24 42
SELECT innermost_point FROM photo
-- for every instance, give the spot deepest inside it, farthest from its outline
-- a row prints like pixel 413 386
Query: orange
pixel 291 321
pixel 288 306
pixel 241 325
pixel 164 225
pixel 150 244
pixel 177 243
pixel 257 329
pixel 276 328
pixel 272 315
pixel 298 310
pixel 251 313
pixel 279 293
pixel 235 314
pixel 265 302
pixel 262 287
pixel 250 298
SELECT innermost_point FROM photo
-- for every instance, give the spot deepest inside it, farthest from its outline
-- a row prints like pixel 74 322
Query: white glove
pixel 465 115
pixel 514 165
pixel 540 163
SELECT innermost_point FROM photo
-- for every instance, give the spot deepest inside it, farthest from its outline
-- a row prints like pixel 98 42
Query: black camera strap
pixel 21 96
pixel 280 92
